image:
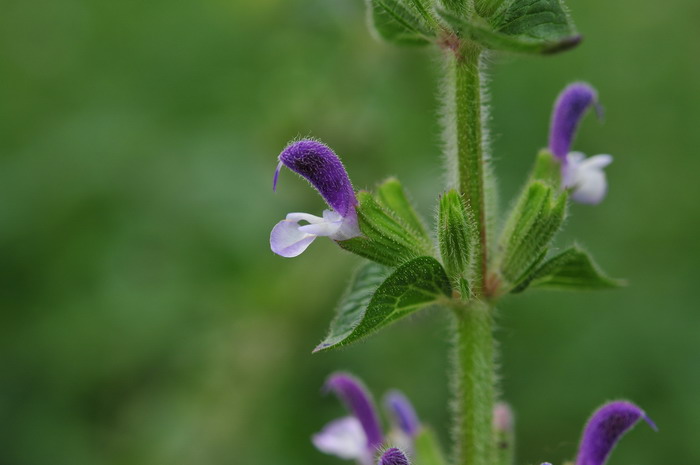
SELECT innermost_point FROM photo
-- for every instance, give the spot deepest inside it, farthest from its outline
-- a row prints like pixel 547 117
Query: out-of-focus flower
pixel 583 176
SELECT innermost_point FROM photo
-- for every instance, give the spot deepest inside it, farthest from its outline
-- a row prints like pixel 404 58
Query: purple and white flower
pixel 605 428
pixel 359 436
pixel 583 176
pixel 319 165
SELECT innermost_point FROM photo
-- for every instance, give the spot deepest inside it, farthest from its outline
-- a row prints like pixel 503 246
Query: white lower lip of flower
pixel 343 438
pixel 585 177
pixel 289 239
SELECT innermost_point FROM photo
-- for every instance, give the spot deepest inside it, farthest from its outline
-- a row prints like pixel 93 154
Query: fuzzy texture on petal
pixel 569 108
pixel 323 169
pixel 605 428
pixel 343 438
pixel 586 178
pixel 393 456
pixel 402 412
pixel 359 402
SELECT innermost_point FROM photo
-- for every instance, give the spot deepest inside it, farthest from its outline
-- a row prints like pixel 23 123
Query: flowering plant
pixel 474 257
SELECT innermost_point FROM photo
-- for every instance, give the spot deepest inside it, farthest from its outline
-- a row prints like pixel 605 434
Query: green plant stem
pixel 474 385
pixel 467 137
pixel 474 371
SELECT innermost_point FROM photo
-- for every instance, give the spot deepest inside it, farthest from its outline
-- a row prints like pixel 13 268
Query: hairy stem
pixel 474 386
pixel 474 371
pixel 465 139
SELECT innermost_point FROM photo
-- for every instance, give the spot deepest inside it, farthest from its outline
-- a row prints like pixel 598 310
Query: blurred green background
pixel 144 319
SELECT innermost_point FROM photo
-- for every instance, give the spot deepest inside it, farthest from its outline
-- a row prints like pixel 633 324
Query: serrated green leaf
pixel 428 450
pixel 479 30
pixel 398 23
pixel 572 269
pixel 414 285
pixel 454 235
pixel 536 218
pixel 385 239
pixel 354 302
pixel 392 196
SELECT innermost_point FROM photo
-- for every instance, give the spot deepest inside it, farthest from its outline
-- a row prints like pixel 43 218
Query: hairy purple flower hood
pixel 319 165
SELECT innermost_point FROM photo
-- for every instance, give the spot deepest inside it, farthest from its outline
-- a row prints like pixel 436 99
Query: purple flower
pixel 319 165
pixel 605 427
pixel 393 456
pixel 356 437
pixel 584 176
pixel 402 413
pixel 359 436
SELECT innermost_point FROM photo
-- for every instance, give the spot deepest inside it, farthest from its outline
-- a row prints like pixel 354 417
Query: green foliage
pixel 392 195
pixel 572 269
pixel 536 218
pixel 541 27
pixel 386 239
pixel 414 285
pixel 400 23
pixel 547 169
pixel 354 302
pixel 458 7
pixel 427 449
pixel 454 233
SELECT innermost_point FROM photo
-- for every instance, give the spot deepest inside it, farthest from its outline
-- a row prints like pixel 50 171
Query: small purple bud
pixel 359 402
pixel 323 169
pixel 402 412
pixel 393 456
pixel 569 108
pixel 605 428
pixel 503 418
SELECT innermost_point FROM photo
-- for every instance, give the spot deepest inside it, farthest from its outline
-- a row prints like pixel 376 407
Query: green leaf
pixel 392 196
pixel 354 302
pixel 427 449
pixel 414 285
pixel 536 218
pixel 572 269
pixel 454 235
pixel 458 7
pixel 479 30
pixel 386 239
pixel 398 23
pixel 544 20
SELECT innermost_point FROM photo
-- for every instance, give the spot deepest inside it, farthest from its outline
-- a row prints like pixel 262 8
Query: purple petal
pixel 605 428
pixel 393 456
pixel 359 402
pixel 322 168
pixel 277 175
pixel 569 108
pixel 403 413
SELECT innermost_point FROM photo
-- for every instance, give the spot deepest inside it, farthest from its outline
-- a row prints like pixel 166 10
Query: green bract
pixel 454 235
pixel 533 222
pixel 428 451
pixel 389 236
